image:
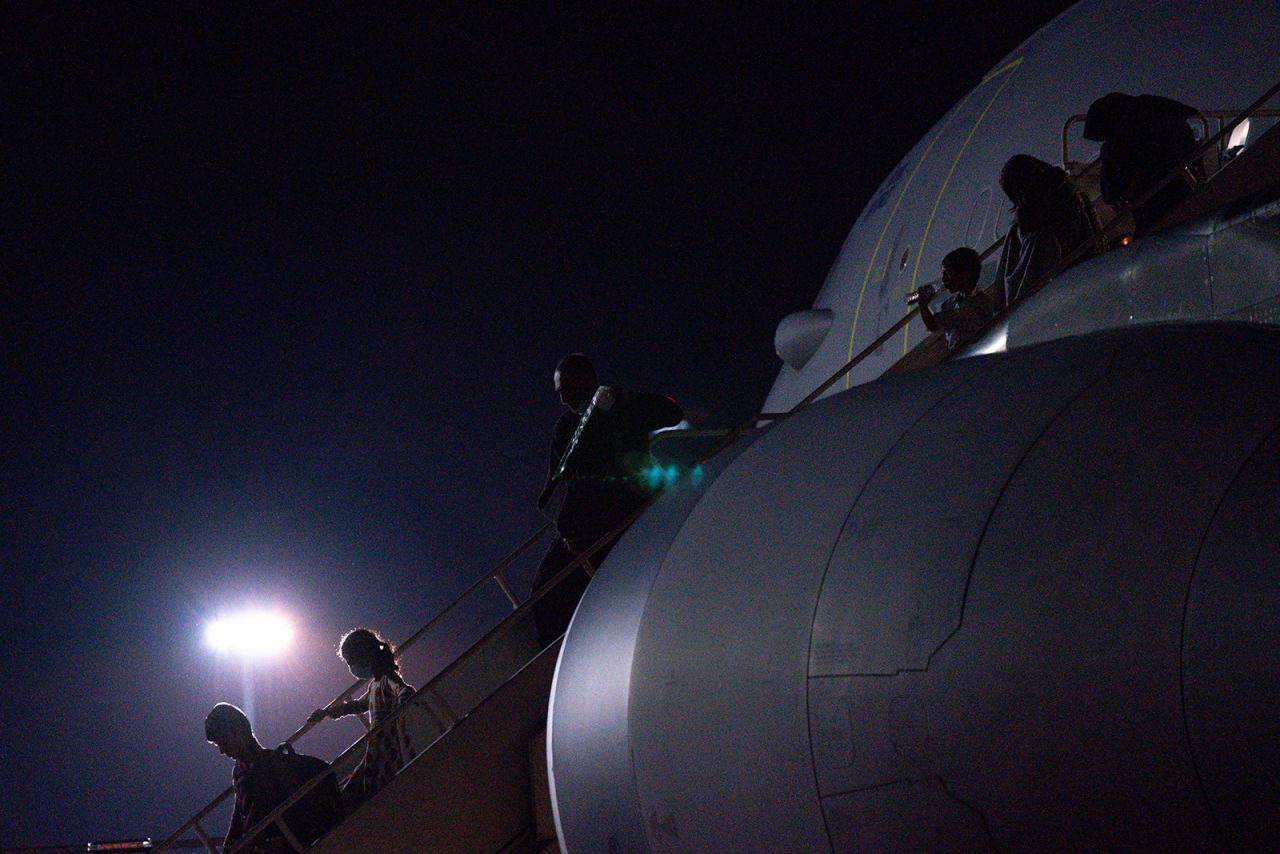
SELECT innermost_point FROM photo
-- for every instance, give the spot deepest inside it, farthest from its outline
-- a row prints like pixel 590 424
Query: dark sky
pixel 284 289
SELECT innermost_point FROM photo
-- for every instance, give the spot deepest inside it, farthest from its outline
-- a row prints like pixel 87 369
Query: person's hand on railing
pixel 336 710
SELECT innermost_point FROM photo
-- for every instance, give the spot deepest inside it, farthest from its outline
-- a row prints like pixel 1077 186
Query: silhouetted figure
pixel 1050 220
pixel 1144 137
pixel 963 316
pixel 602 475
pixel 263 779
pixel 390 749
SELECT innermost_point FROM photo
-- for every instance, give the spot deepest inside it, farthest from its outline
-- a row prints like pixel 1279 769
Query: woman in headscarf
pixel 1050 220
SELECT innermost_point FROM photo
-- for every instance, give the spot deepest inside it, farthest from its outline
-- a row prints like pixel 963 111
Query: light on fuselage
pixel 254 634
pixel 1239 136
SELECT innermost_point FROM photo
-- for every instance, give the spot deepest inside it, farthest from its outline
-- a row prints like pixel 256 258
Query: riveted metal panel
pixel 896 583
pixel 718 711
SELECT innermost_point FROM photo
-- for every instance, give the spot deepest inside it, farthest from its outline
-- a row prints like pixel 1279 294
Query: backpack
pixel 321 808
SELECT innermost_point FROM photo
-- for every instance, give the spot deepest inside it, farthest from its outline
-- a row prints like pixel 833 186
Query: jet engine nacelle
pixel 1020 602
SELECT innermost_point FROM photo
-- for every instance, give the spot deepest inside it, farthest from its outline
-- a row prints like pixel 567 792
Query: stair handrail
pixel 582 561
pixel 496 574
pixel 1200 115
pixel 519 609
pixel 890 332
pixel 1182 171
pixel 1204 116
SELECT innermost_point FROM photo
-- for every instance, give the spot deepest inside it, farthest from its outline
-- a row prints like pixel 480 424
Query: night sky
pixel 283 295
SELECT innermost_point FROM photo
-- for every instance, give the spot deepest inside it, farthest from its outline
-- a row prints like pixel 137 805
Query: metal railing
pixel 1079 118
pixel 275 819
pixel 1204 117
pixel 519 611
pixel 495 575
pixel 1221 116
pixel 885 336
pixel 1113 228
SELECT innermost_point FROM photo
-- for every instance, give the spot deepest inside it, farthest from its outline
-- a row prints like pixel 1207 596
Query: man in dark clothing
pixel 262 780
pixel 599 458
pixel 1143 138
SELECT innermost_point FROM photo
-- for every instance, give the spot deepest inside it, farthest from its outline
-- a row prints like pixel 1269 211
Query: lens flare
pixel 653 476
pixel 253 634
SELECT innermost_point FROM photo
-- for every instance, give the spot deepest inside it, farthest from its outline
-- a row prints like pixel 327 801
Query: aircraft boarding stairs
pixel 480 782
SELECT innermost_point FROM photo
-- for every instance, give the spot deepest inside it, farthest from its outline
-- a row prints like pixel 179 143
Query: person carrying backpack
pixel 263 779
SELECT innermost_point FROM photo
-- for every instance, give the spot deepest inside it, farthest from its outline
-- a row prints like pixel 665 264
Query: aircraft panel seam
pixel 898 781
pixel 1186 606
pixel 858 790
pixel 982 816
pixel 995 505
pixel 808 710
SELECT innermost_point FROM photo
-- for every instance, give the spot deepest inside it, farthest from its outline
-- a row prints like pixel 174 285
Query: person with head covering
pixel 1051 219
pixel 1144 138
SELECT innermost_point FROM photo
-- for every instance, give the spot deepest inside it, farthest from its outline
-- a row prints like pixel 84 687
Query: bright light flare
pixel 1239 136
pixel 254 634
pixel 994 341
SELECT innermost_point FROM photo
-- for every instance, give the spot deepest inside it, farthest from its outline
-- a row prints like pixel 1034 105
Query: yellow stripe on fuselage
pixel 857 312
pixel 915 273
pixel 1013 63
pixel 875 252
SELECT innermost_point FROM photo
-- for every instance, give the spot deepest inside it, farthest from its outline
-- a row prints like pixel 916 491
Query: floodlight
pixel 253 634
